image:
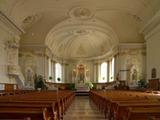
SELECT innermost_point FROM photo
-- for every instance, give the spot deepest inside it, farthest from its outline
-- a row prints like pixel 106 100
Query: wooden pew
pixel 122 107
pixel 122 100
pixel 38 101
pixel 143 113
pixel 14 92
pixel 45 109
pixel 23 113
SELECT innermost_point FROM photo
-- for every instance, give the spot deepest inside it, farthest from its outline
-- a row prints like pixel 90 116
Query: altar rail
pixel 71 86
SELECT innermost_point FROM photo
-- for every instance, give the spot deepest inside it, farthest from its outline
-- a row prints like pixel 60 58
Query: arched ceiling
pixel 80 28
pixel 81 37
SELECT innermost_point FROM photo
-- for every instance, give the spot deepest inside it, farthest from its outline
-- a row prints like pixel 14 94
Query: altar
pixel 80 77
pixel 82 89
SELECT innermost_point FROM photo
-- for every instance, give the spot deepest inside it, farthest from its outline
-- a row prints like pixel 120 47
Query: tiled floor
pixel 83 109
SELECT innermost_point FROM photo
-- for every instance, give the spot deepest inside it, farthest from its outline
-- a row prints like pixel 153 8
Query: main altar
pixel 80 77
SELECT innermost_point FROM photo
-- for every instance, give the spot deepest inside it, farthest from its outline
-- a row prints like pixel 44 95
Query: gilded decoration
pixel 80 74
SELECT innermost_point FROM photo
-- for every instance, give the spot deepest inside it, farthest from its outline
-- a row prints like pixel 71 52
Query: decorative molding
pixel 30 20
pixel 48 52
pixel 135 51
pixel 81 13
pixel 14 44
pixel 153 33
pixel 9 24
pixel 32 53
pixel 33 45
pixel 151 25
pixel 74 29
pixel 13 70
pixel 131 45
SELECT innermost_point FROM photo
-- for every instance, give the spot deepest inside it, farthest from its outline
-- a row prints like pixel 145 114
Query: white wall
pixel 153 54
pixel 9 46
pixel 131 56
pixel 34 62
pixel 3 57
pixel 151 31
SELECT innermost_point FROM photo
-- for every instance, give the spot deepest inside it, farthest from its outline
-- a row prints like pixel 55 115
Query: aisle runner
pixel 83 109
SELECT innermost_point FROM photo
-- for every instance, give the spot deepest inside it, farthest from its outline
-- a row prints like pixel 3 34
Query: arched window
pixel 103 75
pixel 58 72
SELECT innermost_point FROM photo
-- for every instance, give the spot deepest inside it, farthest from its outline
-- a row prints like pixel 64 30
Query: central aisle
pixel 83 109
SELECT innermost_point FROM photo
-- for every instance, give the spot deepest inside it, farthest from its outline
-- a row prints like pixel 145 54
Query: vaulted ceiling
pixel 80 28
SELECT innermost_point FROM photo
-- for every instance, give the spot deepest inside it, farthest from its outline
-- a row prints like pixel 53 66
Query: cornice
pixel 33 45
pixel 9 25
pixel 131 45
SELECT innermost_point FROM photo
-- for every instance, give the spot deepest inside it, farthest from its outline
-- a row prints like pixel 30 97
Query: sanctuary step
pixel 81 90
pixel 82 93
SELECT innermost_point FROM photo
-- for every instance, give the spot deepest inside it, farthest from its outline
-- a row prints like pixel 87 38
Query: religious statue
pixel 81 76
pixel 29 77
pixel 134 74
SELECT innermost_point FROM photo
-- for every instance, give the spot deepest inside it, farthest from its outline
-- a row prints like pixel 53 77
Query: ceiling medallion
pixel 81 13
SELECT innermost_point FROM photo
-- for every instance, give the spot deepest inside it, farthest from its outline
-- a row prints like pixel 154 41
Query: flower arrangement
pixel 142 83
pixel 89 84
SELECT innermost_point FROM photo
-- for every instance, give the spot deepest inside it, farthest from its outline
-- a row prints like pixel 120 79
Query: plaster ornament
pixel 81 13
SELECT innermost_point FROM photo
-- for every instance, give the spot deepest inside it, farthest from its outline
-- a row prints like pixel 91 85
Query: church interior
pixel 79 59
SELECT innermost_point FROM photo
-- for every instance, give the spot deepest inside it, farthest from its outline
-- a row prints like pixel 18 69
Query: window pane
pixel 49 67
pixel 103 77
pixel 58 72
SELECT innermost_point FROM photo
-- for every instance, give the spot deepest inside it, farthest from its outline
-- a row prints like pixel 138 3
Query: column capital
pixel 14 43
